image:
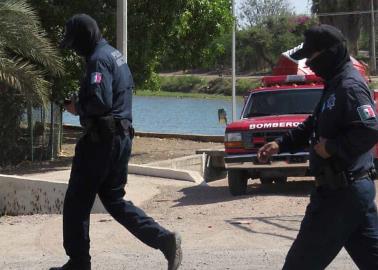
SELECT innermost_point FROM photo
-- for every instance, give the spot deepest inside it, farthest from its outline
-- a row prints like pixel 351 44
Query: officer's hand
pixel 321 150
pixel 266 151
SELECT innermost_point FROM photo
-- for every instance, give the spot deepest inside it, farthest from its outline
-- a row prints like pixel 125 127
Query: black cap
pixel 82 30
pixel 318 38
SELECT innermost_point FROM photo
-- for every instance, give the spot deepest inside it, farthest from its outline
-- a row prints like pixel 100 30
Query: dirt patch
pixel 145 150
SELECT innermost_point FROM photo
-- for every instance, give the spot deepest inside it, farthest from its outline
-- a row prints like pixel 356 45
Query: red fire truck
pixel 284 100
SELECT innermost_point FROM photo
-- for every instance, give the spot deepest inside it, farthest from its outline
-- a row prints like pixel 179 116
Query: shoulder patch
pixel 366 112
pixel 96 78
pixel 118 57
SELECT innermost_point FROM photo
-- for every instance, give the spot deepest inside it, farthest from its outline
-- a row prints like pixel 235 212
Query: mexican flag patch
pixel 366 112
pixel 96 77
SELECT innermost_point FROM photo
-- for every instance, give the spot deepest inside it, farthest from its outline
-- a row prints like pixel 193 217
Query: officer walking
pixel 340 135
pixel 102 154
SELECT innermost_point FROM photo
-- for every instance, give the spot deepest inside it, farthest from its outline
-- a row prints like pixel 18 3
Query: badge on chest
pixel 329 104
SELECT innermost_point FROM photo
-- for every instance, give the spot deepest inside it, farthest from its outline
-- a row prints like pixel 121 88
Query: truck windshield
pixel 301 101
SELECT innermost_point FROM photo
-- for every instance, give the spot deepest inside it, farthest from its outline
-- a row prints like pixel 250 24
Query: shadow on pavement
pixel 292 188
pixel 201 195
pixel 284 223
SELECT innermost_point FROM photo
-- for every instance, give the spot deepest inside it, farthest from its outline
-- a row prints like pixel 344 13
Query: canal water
pixel 176 115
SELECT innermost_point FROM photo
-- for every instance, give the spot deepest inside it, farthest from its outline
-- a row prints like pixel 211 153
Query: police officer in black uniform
pixel 340 135
pixel 102 154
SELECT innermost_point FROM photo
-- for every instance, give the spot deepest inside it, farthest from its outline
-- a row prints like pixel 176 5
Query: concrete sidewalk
pixel 219 231
pixel 43 193
pixel 35 242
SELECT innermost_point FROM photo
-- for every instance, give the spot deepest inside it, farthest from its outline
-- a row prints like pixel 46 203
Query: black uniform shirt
pixel 346 117
pixel 107 86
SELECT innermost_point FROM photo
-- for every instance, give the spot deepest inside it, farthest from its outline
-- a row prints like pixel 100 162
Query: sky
pixel 300 6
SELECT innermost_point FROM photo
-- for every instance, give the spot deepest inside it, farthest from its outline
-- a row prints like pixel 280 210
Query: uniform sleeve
pixel 360 129
pixel 297 138
pixel 98 94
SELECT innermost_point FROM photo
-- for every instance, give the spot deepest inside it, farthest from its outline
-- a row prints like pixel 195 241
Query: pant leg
pixel 330 219
pixel 363 243
pixel 131 217
pixel 88 170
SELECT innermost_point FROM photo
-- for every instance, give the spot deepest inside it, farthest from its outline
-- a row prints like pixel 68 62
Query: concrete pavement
pixel 219 231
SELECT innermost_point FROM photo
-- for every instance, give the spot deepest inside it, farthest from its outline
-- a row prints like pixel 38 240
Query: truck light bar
pixel 290 79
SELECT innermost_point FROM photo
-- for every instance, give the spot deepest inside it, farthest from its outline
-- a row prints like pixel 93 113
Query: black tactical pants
pixel 101 168
pixel 335 219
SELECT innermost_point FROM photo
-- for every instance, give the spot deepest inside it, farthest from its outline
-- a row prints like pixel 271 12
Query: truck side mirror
pixel 222 116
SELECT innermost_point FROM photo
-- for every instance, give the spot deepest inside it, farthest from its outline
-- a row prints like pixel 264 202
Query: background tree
pixel 149 25
pixel 267 40
pixel 154 28
pixel 27 60
pixel 351 24
pixel 254 12
pixel 193 41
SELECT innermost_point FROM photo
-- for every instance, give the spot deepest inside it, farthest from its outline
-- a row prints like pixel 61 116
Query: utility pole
pixel 372 55
pixel 122 27
pixel 233 63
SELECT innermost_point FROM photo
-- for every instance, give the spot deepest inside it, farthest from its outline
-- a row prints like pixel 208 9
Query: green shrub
pixel 220 86
pixel 153 83
pixel 244 85
pixel 197 84
pixel 185 84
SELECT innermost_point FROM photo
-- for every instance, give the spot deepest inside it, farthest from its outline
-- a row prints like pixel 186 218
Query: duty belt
pixel 107 126
pixel 343 179
pixel 371 173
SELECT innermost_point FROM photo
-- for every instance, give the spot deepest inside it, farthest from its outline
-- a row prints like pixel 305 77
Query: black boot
pixel 71 265
pixel 172 251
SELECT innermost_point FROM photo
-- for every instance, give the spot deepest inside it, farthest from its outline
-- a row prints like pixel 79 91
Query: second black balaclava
pixel 329 62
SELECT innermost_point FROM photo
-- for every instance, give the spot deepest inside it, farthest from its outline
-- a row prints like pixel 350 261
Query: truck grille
pixel 254 140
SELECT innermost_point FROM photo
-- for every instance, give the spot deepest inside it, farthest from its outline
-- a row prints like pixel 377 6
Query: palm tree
pixel 26 55
pixel 27 61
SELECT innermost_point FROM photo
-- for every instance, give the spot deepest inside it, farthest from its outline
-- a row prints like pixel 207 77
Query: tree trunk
pixel 350 24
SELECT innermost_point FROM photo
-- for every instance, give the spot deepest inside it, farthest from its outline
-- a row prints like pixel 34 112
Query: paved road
pixel 219 231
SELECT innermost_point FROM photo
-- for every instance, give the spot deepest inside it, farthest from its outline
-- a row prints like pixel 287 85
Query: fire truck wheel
pixel 237 182
pixel 266 180
pixel 280 180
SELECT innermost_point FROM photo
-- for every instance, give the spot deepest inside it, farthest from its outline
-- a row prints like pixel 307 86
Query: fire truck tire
pixel 237 182
pixel 266 180
pixel 280 180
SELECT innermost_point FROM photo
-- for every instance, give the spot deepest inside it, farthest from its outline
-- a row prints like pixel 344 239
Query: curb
pixel 21 195
pixel 184 175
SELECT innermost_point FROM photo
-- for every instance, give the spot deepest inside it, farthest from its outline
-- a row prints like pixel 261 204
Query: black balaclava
pixel 81 34
pixel 330 61
pixel 330 43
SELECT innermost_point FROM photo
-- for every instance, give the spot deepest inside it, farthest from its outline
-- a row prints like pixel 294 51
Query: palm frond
pixel 25 77
pixel 26 55
pixel 22 35
pixel 8 74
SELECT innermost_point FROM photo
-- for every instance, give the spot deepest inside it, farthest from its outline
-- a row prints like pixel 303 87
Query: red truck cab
pixel 285 99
